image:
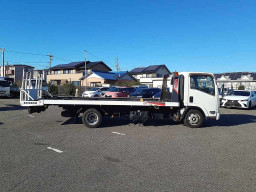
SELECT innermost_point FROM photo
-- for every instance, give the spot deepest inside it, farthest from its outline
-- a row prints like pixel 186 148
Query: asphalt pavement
pixel 47 152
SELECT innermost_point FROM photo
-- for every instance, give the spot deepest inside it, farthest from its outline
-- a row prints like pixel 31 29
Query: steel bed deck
pixel 99 101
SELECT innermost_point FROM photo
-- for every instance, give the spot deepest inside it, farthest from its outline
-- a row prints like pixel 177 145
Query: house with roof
pixel 98 78
pixel 15 71
pixel 236 79
pixel 146 75
pixel 72 72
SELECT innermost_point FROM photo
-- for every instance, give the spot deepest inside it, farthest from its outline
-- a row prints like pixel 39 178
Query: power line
pixel 26 53
pixel 106 58
pixel 26 62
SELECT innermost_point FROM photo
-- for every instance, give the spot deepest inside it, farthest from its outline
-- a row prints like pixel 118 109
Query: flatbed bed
pixel 99 101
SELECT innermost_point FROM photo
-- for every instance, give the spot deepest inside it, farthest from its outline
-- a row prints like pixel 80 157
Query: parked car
pixel 4 88
pixel 140 86
pixel 240 99
pixel 158 95
pixel 104 90
pixel 120 92
pixel 145 93
pixel 94 92
pixel 14 89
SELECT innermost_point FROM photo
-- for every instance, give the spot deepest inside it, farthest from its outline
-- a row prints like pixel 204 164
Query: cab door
pixel 203 93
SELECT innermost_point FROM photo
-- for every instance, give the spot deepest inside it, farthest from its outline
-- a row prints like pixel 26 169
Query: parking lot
pixel 47 152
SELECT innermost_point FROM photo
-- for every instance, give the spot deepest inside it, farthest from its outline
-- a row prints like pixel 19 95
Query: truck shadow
pixel 228 120
pixel 12 108
pixel 123 121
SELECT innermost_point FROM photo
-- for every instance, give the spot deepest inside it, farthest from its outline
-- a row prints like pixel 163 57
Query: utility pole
pixel 117 64
pixel 85 71
pixel 50 61
pixel 3 49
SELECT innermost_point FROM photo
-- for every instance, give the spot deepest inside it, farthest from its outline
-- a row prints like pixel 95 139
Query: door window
pixel 204 83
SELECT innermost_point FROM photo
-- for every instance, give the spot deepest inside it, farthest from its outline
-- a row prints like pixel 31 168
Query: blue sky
pixel 185 35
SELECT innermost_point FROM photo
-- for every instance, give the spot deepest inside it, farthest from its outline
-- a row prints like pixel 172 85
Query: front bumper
pixel 86 95
pixel 234 104
pixel 4 94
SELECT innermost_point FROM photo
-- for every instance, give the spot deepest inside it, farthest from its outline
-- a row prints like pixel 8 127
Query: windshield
pixel 94 89
pixel 141 91
pixel 241 93
pixel 116 89
pixel 4 84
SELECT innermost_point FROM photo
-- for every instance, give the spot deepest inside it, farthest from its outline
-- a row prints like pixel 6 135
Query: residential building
pixel 98 79
pixel 145 75
pixel 15 71
pixel 72 72
pixel 236 79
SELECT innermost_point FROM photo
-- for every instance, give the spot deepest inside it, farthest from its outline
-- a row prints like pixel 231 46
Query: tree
pixel 53 89
pixel 70 89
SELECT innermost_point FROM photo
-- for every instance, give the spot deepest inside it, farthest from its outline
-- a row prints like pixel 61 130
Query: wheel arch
pixel 193 108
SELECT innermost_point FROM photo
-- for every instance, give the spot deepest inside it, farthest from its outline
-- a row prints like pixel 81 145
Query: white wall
pixel 236 84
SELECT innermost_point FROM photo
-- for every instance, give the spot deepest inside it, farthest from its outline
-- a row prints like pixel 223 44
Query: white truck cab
pixel 201 91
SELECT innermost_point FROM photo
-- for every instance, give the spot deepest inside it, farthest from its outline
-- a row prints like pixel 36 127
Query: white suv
pixel 95 92
pixel 239 99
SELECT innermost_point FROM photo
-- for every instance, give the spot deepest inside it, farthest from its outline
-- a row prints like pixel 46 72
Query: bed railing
pixel 31 91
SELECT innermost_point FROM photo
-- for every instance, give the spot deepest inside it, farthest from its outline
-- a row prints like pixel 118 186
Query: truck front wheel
pixel 92 118
pixel 194 119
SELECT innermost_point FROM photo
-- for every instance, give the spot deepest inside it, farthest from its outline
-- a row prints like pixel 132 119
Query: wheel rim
pixel 193 119
pixel 92 118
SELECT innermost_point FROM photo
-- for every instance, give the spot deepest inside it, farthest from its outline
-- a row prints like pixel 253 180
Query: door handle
pixel 191 99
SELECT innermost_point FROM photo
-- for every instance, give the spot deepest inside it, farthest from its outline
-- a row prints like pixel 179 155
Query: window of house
pixel 55 82
pixel 204 83
pixel 95 84
pixel 68 71
pixel 76 83
pixel 56 72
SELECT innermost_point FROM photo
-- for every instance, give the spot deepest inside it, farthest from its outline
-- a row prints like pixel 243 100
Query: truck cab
pixel 202 92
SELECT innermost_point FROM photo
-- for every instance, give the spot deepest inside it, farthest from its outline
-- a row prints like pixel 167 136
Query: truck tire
pixel 92 118
pixel 194 119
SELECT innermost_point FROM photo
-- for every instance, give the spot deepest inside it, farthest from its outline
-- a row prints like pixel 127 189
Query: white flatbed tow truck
pixel 193 99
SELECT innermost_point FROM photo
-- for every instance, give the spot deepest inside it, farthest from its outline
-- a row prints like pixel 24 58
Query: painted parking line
pixel 56 150
pixel 31 116
pixel 118 133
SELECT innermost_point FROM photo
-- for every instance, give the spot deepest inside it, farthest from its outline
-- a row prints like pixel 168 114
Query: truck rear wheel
pixel 92 118
pixel 194 118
